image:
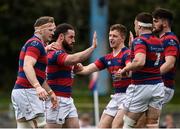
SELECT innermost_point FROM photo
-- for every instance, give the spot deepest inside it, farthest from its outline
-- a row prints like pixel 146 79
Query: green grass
pixel 4 101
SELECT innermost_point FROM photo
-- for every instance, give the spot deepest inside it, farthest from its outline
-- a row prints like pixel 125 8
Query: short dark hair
pixel 144 17
pixel 120 28
pixel 43 20
pixel 163 13
pixel 61 28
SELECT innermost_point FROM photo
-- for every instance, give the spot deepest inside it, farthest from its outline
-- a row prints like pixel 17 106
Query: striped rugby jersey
pixel 113 64
pixel 171 48
pixel 60 77
pixel 152 47
pixel 35 48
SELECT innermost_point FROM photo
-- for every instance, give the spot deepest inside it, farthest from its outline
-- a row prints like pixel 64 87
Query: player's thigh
pixel 26 103
pixel 153 115
pixel 137 98
pixel 134 116
pixel 105 121
pixel 72 122
pixel 141 122
pixel 51 125
pixel 118 120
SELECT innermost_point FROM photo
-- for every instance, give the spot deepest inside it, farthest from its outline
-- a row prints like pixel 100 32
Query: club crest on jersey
pixel 34 43
pixel 172 42
pixel 109 62
pixel 59 52
pixel 138 41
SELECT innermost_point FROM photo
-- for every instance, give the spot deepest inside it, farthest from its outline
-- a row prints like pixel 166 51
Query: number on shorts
pixel 157 59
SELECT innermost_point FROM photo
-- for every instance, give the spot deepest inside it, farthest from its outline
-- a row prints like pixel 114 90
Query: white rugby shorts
pixel 169 93
pixel 65 110
pixel 139 97
pixel 115 104
pixel 27 104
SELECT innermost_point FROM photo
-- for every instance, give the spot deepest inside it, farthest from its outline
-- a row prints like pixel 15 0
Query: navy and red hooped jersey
pixel 60 76
pixel 171 48
pixel 152 47
pixel 35 48
pixel 113 64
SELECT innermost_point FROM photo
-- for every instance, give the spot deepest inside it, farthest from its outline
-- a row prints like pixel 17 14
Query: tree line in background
pixel 18 16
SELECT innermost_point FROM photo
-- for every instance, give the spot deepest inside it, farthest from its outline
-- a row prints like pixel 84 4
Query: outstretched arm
pixel 85 70
pixel 81 56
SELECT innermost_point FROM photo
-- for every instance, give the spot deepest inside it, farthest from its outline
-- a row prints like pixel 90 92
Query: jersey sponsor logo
pixel 156 49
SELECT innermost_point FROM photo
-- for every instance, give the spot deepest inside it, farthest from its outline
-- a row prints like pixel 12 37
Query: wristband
pixel 50 92
pixel 36 84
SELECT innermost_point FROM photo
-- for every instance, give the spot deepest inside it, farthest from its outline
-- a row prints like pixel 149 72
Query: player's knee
pixel 103 124
pixel 128 122
pixel 152 123
pixel 117 124
pixel 38 122
pixel 22 125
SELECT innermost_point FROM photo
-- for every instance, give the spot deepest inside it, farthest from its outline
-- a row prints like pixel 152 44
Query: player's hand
pixel 78 68
pixel 41 92
pixel 123 72
pixel 54 100
pixel 94 43
pixel 118 75
pixel 131 38
pixel 52 46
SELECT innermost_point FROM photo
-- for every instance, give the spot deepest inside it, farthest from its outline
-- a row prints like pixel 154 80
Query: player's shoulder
pixel 34 42
pixel 139 40
pixel 170 40
pixel 170 36
pixel 59 52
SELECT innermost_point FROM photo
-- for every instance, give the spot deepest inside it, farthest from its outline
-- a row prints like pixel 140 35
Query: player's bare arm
pixel 81 56
pixel 137 63
pixel 28 68
pixel 168 65
pixel 88 69
pixel 118 73
pixel 52 95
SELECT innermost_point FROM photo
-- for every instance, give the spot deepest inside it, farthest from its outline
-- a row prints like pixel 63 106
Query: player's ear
pixel 61 37
pixel 165 22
